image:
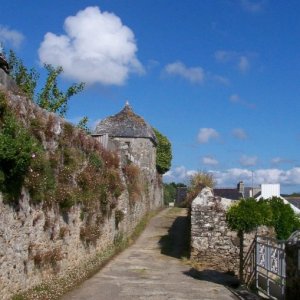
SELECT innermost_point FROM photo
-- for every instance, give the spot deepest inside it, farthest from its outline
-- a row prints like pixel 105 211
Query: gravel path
pixel 152 268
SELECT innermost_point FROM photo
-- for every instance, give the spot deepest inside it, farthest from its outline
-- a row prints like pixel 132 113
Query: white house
pixel 269 190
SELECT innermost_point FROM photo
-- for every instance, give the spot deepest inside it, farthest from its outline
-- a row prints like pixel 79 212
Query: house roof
pixel 294 200
pixel 233 194
pixel 125 124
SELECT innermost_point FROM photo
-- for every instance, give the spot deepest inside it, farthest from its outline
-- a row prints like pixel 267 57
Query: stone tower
pixel 136 142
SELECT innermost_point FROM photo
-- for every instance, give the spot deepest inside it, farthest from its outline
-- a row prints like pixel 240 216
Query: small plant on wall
pixel 76 171
pixel 119 216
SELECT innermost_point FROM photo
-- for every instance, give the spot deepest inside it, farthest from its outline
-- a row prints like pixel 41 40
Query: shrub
pixel 16 150
pixel 40 180
pixel 284 220
pixel 197 182
pixel 163 153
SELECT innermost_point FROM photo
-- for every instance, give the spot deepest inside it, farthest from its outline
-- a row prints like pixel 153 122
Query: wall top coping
pixel 207 198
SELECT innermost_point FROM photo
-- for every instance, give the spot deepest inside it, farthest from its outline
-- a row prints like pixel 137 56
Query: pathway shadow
pixel 231 282
pixel 177 242
pixel 218 277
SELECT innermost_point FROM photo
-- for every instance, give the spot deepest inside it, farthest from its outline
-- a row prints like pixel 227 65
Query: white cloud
pixel 248 161
pixel 224 56
pixel 253 6
pixel 243 64
pixel 209 160
pixel 192 74
pixel 280 160
pixel 277 160
pixel 239 133
pixel 96 48
pixel 206 134
pixel 10 36
pixel 179 174
pixel 270 176
pixel 230 177
pixel 235 98
pixel 220 79
pixel 240 60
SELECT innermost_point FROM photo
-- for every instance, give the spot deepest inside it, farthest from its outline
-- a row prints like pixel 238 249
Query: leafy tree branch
pixel 51 97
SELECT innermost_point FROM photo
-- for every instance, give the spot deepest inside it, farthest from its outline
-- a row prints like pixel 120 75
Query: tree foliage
pixel 248 214
pixel 51 97
pixel 284 220
pixel 163 153
pixel 83 125
pixel 25 78
pixel 170 191
pixel 245 216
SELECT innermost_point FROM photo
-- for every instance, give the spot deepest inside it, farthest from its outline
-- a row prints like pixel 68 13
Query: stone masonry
pixel 32 233
pixel 213 244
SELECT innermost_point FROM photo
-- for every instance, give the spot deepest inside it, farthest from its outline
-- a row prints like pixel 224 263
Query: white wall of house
pixel 270 190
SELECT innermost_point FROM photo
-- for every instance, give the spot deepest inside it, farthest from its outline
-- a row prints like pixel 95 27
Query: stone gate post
pixel 293 266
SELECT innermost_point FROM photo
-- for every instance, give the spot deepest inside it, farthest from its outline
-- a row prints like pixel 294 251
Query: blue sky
pixel 219 78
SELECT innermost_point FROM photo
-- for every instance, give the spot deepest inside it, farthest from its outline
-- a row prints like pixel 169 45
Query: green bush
pixel 16 150
pixel 284 220
pixel 163 153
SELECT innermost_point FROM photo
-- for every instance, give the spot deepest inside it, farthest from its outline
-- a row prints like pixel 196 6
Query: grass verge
pixel 58 286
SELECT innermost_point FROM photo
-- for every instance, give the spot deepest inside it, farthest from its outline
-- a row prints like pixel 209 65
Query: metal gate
pixel 270 268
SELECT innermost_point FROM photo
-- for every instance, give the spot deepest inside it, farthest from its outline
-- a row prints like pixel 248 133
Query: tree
pixel 284 220
pixel 83 125
pixel 50 97
pixel 163 153
pixel 245 216
pixel 25 79
pixel 197 182
pixel 170 190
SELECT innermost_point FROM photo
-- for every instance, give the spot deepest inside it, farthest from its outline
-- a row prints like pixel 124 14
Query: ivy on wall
pixel 163 153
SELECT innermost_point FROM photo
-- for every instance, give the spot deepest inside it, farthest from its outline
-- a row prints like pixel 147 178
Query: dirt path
pixel 152 269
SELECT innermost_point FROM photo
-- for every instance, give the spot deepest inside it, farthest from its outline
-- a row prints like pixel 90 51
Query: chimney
pixel 241 188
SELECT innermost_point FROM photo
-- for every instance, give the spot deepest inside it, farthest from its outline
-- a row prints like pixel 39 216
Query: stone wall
pixel 142 152
pixel 213 244
pixel 38 242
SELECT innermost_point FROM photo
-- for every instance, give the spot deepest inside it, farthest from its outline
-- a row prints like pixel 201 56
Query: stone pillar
pixel 213 245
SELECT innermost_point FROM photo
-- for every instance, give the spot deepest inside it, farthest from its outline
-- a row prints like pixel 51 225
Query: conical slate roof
pixel 125 124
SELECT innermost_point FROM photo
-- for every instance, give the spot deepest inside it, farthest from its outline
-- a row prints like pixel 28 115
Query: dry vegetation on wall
pixel 57 165
pixel 133 181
